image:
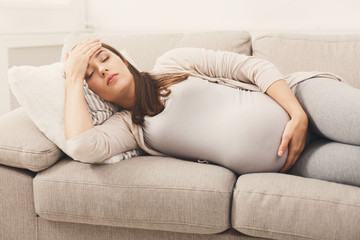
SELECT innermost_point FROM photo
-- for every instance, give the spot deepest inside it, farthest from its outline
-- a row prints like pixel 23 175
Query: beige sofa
pixel 46 195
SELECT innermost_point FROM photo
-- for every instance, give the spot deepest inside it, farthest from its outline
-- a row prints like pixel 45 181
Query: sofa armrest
pixel 23 145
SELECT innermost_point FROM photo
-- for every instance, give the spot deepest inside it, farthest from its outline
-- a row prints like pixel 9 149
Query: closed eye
pixel 88 77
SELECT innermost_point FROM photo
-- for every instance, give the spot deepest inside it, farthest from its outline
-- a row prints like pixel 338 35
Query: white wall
pixel 34 25
pixel 321 16
pixel 28 25
pixel 31 17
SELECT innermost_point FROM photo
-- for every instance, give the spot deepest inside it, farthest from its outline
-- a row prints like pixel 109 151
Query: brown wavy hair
pixel 149 89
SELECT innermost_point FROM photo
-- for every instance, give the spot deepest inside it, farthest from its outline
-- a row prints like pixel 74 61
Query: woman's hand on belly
pixel 294 137
pixel 295 130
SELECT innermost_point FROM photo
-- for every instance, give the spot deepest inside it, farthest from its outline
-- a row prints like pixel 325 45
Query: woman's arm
pixel 255 73
pixel 106 140
pixel 248 70
pixel 76 115
pixel 111 138
pixel 294 134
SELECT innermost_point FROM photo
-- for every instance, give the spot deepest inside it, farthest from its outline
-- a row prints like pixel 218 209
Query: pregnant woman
pixel 221 107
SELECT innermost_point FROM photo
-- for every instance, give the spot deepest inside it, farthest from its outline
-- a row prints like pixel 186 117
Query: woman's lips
pixel 111 78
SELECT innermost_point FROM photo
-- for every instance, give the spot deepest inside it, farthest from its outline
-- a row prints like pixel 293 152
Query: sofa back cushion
pixel 142 50
pixel 145 48
pixel 338 54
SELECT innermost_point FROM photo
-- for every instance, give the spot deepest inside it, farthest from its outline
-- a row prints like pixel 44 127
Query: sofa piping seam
pixel 132 220
pixel 308 40
pixel 280 232
pixel 21 150
pixel 117 186
pixel 36 168
pixel 303 197
pixel 17 174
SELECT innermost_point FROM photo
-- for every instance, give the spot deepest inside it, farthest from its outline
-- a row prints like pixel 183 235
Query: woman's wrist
pixel 74 91
pixel 73 83
pixel 300 117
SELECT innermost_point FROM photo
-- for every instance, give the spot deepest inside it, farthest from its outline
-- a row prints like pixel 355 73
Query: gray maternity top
pixel 237 129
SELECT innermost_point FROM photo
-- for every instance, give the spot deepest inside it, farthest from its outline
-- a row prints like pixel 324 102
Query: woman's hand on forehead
pixel 76 62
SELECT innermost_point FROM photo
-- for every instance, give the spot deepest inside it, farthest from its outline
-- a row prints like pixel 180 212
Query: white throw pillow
pixel 41 92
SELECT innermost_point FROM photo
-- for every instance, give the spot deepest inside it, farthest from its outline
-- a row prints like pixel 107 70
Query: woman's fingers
pixel 85 48
pixel 293 138
pixel 84 44
pixel 285 138
pixel 77 60
pixel 82 53
pixel 283 146
pixel 82 49
pixel 282 149
pixel 295 149
pixel 91 49
pixel 289 161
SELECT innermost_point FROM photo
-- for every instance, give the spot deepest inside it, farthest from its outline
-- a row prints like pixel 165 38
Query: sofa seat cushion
pixel 337 54
pixel 282 206
pixel 23 145
pixel 148 192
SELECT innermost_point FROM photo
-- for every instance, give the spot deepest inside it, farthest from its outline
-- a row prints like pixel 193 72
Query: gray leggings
pixel 332 152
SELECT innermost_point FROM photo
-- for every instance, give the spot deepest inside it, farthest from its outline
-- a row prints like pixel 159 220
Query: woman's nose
pixel 103 70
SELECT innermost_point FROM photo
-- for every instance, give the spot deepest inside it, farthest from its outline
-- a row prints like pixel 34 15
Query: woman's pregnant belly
pixel 238 129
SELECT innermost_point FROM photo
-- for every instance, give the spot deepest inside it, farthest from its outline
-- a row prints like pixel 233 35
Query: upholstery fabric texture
pixel 18 217
pixel 71 231
pixel 41 92
pixel 338 54
pixel 282 206
pixel 160 198
pixel 23 145
pixel 158 193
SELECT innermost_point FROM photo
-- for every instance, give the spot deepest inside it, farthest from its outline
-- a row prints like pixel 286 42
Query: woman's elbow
pixel 81 153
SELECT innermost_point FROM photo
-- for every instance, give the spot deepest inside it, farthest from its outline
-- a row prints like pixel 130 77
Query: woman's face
pixel 108 76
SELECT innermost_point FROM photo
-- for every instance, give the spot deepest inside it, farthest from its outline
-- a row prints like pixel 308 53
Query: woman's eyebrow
pixel 98 53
